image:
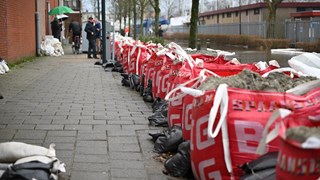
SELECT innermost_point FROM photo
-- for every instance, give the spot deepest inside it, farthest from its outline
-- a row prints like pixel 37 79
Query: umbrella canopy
pixel 60 10
pixel 62 17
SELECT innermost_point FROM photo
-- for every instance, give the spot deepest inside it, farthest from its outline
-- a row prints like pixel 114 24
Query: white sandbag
pixel 51 47
pixel 4 66
pixel 307 63
pixel 10 152
pixel 304 68
pixel 310 59
pixel 2 70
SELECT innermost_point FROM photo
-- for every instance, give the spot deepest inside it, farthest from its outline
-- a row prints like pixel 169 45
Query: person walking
pixel 75 28
pixel 56 28
pixel 98 35
pixel 91 36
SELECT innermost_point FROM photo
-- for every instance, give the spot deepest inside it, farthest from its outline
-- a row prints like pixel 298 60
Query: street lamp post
pixel 240 17
pixel 113 34
pixel 104 52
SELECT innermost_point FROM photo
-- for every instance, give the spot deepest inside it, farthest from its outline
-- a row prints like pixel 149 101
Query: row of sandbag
pixel 196 110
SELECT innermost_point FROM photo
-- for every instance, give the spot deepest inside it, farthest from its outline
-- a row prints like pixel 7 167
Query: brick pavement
pixel 99 127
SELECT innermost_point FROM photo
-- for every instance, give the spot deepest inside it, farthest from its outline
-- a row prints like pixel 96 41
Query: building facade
pixel 18 20
pixel 254 13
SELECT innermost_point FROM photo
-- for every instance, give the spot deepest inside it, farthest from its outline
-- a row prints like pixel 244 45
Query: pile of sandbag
pixel 51 46
pixel 221 105
pixel 24 161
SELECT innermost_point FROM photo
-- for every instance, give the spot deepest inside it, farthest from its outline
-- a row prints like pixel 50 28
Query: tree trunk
pixel 134 19
pixel 155 5
pixel 272 6
pixel 141 20
pixel 129 14
pixel 193 24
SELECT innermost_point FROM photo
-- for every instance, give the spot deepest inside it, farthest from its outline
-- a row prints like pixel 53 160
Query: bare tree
pixel 272 6
pixel 170 7
pixel 134 19
pixel 156 7
pixel 95 7
pixel 142 4
pixel 193 23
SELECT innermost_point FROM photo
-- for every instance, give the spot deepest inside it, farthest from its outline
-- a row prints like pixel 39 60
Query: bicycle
pixel 76 45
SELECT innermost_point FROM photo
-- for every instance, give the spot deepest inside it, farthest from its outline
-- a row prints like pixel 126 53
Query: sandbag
pixel 298 158
pixel 12 151
pixel 179 164
pixel 169 142
pixel 233 138
pixel 307 63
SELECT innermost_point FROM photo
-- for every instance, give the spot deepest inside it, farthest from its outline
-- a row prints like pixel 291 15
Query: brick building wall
pixel 18 29
pixel 43 14
pixel 3 30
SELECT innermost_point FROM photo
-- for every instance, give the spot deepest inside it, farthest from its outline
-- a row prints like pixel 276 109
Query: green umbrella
pixel 60 10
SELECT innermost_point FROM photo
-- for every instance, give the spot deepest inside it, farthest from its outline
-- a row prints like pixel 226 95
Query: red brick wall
pixel 3 30
pixel 43 14
pixel 19 29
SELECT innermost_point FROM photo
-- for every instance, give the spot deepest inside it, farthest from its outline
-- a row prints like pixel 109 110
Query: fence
pixel 297 31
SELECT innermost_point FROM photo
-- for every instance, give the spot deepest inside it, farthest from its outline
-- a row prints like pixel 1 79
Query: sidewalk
pixel 100 128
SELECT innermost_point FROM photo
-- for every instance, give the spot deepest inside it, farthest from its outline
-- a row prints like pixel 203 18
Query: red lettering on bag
pixel 242 128
pixel 299 166
pixel 212 175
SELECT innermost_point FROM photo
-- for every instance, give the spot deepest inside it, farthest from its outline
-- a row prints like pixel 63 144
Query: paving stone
pixel 113 127
pixel 124 147
pixel 66 121
pixel 93 151
pixel 77 175
pixel 68 139
pixel 94 135
pixel 121 132
pixel 21 126
pixel 120 122
pixel 127 164
pixel 49 127
pixel 88 143
pixel 128 173
pixel 30 134
pixel 78 127
pixel 93 158
pixel 62 133
pixel 90 167
pixel 93 122
pixel 125 155
pixel 7 134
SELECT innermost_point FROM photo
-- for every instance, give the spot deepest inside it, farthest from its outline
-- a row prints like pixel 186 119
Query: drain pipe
pixel 37 18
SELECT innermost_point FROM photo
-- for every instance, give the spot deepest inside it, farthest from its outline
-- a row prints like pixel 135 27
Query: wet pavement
pixel 100 128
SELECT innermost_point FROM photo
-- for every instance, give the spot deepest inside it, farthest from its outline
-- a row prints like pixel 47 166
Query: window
pixel 247 12
pixel 299 9
pixel 236 13
pixel 256 11
pixel 222 15
pixel 208 17
pixel 73 4
pixel 229 14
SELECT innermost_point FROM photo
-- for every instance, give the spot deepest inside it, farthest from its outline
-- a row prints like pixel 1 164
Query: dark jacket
pixel 98 30
pixel 75 28
pixel 56 28
pixel 91 31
